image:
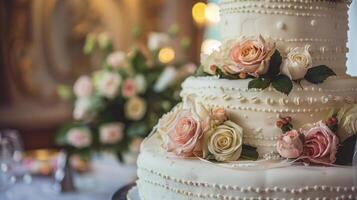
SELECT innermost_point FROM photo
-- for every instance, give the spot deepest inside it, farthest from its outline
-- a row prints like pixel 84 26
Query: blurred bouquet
pixel 116 106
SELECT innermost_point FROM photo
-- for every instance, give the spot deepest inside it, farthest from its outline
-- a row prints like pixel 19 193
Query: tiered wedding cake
pixel 276 90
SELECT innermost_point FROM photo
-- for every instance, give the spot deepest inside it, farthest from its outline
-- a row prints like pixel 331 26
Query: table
pixel 106 177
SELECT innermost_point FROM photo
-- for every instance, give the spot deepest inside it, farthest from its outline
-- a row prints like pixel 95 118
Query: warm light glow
pixel 198 13
pixel 209 45
pixel 166 55
pixel 212 13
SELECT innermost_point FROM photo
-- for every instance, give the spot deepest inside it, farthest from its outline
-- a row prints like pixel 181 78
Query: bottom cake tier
pixel 167 178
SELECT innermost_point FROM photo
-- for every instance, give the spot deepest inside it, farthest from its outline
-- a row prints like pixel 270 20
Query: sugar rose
pixel 347 118
pixel 297 63
pixel 79 137
pixel 320 145
pixel 224 142
pixel 219 115
pixel 290 144
pixel 251 55
pixel 83 87
pixel 182 129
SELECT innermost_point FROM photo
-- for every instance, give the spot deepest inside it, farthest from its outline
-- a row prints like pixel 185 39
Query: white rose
pixel 140 83
pixel 79 137
pixel 135 108
pixel 224 142
pixel 157 40
pixel 347 119
pixel 111 133
pixel 166 78
pixel 297 63
pixel 83 87
pixel 117 59
pixel 108 84
pixel 82 108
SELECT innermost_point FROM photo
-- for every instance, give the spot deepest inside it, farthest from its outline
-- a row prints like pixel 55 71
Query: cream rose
pixel 347 118
pixel 83 87
pixel 79 137
pixel 108 84
pixel 297 63
pixel 251 55
pixel 135 108
pixel 111 133
pixel 224 142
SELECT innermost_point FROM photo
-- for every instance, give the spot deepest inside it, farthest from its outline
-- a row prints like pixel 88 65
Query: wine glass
pixel 7 178
pixel 15 140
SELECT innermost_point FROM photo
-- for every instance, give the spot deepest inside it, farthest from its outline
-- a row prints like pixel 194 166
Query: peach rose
pixel 251 55
pixel 79 137
pixel 320 145
pixel 182 129
pixel 290 144
pixel 135 108
pixel 219 114
pixel 111 133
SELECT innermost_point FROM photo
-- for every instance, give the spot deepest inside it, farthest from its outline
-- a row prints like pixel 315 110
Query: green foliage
pixel 282 84
pixel 319 74
pixel 259 83
pixel 249 152
pixel 274 65
pixel 139 61
pixel 200 71
pixel 137 129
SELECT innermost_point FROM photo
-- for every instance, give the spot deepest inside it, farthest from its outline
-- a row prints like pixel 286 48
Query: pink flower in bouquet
pixel 219 114
pixel 83 87
pixel 129 88
pixel 79 137
pixel 111 133
pixel 320 145
pixel 252 55
pixel 183 129
pixel 290 144
pixel 116 59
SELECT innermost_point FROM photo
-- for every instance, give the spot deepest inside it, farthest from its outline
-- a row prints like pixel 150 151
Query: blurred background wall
pixel 352 43
pixel 41 47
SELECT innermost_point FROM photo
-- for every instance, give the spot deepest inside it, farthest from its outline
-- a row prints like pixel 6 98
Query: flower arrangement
pixel 191 130
pixel 259 59
pixel 325 142
pixel 117 105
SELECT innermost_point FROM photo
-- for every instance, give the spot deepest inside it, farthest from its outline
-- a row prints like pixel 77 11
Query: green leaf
pixel 200 71
pixel 260 83
pixel 282 84
pixel 346 150
pixel 319 74
pixel 139 61
pixel 249 152
pixel 274 65
pixel 137 130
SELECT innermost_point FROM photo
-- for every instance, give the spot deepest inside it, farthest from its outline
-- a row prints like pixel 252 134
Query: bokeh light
pixel 166 55
pixel 212 13
pixel 198 13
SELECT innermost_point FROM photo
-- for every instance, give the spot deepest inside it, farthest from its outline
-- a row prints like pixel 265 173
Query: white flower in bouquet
pixel 83 87
pixel 140 83
pixel 79 137
pixel 108 84
pixel 82 108
pixel 135 108
pixel 111 133
pixel 135 144
pixel 166 78
pixel 117 59
pixel 157 40
pixel 129 88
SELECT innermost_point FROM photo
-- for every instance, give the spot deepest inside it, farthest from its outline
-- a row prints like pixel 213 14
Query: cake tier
pixel 292 23
pixel 163 178
pixel 257 111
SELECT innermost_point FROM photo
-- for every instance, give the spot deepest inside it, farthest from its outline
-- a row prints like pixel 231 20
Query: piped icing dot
pixel 281 25
pixel 313 22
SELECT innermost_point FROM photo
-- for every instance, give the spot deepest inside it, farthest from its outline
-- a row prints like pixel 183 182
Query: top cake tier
pixel 292 23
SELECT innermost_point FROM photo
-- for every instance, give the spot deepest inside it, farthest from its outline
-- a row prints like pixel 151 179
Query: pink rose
pixel 251 55
pixel 184 129
pixel 290 144
pixel 129 88
pixel 79 137
pixel 320 145
pixel 219 114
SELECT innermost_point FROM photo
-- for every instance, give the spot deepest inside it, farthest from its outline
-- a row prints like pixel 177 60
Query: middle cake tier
pixel 257 111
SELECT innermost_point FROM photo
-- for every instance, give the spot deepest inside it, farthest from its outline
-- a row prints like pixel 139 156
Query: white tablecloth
pixel 106 177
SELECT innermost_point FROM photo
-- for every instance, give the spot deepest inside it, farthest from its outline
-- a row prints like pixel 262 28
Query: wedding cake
pixel 267 113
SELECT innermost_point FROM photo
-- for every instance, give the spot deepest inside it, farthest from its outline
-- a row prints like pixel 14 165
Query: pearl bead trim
pixel 223 2
pixel 338 189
